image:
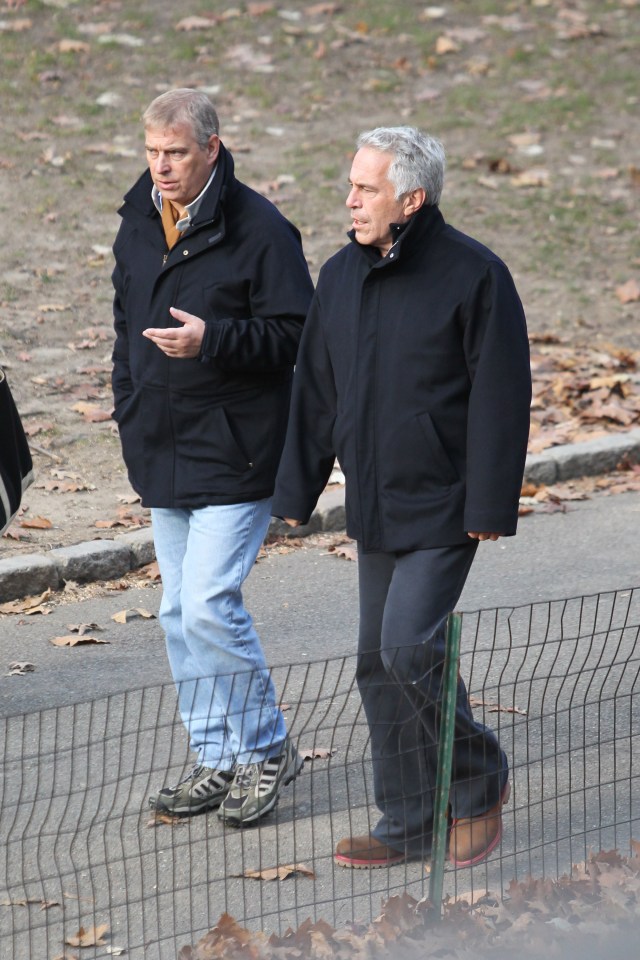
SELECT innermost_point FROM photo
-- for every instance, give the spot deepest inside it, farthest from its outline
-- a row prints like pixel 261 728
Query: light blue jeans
pixel 225 693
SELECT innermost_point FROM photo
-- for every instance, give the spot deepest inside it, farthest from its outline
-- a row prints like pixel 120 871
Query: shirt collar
pixel 191 208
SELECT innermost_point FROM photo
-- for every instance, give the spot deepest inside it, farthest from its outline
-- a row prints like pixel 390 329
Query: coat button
pixel 185 253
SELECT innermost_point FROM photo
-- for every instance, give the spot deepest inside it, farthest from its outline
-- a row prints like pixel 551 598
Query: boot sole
pixel 350 864
pixel 192 810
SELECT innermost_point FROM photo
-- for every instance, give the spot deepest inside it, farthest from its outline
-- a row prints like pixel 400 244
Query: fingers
pixel 483 536
pixel 183 316
pixel 182 341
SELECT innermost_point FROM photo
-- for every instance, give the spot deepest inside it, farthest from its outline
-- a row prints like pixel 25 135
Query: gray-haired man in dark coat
pixel 413 370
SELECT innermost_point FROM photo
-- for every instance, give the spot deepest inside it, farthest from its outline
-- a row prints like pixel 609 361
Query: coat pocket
pixel 442 466
pixel 206 445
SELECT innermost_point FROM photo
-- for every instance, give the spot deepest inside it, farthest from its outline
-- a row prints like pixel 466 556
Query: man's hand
pixel 483 536
pixel 182 341
pixel 292 523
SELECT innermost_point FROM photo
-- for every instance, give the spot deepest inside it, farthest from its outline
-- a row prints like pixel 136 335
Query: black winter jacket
pixel 207 430
pixel 414 370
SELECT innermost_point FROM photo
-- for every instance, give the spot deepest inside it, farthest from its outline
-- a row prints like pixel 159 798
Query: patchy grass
pixel 511 69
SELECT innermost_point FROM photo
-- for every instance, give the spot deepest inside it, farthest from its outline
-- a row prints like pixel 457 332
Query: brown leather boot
pixel 366 853
pixel 473 838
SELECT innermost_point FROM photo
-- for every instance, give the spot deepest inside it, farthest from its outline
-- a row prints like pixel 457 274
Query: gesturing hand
pixel 184 341
pixel 484 536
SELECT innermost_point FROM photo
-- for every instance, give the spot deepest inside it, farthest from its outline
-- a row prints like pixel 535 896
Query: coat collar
pixel 408 237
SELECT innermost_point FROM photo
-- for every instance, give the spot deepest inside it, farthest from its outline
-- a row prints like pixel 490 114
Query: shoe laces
pixel 245 774
pixel 195 772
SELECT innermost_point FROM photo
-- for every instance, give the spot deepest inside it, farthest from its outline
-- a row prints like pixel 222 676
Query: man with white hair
pixel 413 370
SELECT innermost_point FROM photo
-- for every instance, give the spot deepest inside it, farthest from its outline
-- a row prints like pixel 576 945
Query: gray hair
pixel 187 106
pixel 418 159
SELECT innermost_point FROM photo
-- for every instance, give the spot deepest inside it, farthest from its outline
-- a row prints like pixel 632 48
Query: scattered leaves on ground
pixel 538 917
pixel 43 904
pixel 125 518
pixel 29 605
pixel 579 394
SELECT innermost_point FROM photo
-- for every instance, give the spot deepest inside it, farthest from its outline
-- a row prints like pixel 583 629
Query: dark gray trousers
pixel 405 599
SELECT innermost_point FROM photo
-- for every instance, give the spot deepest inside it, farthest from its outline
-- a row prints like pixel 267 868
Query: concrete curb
pixel 33 573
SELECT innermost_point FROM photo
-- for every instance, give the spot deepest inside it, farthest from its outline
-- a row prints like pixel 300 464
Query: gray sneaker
pixel 202 789
pixel 256 786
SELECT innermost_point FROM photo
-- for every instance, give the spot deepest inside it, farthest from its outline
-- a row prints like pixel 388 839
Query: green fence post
pixel 445 756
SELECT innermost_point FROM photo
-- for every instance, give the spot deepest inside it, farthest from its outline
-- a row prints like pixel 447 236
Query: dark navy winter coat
pixel 414 371
pixel 207 430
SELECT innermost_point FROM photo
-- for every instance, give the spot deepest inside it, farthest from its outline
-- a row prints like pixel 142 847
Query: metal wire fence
pixel 558 682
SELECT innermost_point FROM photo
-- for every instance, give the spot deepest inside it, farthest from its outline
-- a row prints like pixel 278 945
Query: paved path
pixel 23 574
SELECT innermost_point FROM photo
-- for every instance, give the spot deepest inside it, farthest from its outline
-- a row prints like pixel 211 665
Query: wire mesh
pixel 557 681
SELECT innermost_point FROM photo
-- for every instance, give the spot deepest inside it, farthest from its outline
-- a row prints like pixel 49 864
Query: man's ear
pixel 213 148
pixel 413 201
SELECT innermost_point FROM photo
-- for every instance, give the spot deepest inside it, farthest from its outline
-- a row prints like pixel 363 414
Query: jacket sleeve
pixel 279 296
pixel 497 355
pixel 308 455
pixel 120 375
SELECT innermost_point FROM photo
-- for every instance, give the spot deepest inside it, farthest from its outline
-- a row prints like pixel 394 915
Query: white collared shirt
pixel 191 208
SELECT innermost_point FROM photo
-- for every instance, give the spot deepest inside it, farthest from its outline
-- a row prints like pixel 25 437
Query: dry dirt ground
pixel 536 102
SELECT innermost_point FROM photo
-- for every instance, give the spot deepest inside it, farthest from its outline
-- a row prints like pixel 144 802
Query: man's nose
pixel 162 162
pixel 352 199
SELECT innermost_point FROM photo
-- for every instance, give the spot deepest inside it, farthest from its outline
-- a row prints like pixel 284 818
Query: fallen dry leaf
pixel 43 904
pixel 20 668
pixel 322 9
pixel 196 23
pixel 93 937
pixel 535 177
pixel 15 26
pixel 36 523
pixel 53 307
pixel 629 292
pixel 259 9
pixel 159 818
pixel 74 640
pixel 278 873
pixel 125 520
pixel 82 628
pixel 33 427
pixel 91 413
pixel 151 571
pixel 28 605
pixel 128 498
pixel 72 46
pixel 495 707
pixel 446 45
pixel 317 753
pixel 124 616
pixel 348 550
